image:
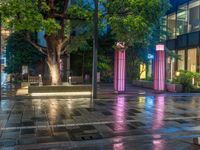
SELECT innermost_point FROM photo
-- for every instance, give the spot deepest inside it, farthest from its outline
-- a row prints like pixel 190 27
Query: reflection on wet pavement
pixel 146 121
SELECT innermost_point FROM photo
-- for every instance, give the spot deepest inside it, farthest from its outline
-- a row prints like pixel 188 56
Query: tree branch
pixel 65 6
pixel 63 45
pixel 38 47
pixel 43 50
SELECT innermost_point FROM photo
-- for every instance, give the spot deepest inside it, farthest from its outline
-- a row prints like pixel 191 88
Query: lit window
pixel 171 26
pixel 194 16
pixel 182 20
pixel 181 61
pixel 192 60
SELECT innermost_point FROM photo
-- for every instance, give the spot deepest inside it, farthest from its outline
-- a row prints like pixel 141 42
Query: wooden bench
pixel 76 79
pixel 33 80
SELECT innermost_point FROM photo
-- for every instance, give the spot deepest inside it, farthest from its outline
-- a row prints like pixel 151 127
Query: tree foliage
pixel 68 27
pixel 132 20
pixel 20 52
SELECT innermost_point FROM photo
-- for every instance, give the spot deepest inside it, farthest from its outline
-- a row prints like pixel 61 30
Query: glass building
pixel 182 23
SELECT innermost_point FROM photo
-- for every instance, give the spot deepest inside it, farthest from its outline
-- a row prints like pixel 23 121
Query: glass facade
pixel 181 61
pixel 163 27
pixel 193 16
pixel 182 20
pixel 170 69
pixel 171 26
pixel 185 20
pixel 192 60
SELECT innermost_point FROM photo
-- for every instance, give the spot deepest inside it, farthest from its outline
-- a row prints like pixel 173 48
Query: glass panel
pixel 192 60
pixel 171 26
pixel 198 60
pixel 170 64
pixel 194 16
pixel 181 61
pixel 163 28
pixel 182 20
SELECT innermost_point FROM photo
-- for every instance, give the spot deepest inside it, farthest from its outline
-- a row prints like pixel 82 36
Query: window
pixel 170 64
pixel 192 60
pixel 182 20
pixel 171 26
pixel 194 16
pixel 198 60
pixel 163 28
pixel 181 61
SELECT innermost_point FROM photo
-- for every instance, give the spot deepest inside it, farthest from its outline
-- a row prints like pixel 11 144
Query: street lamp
pixel 0 51
pixel 95 47
pixel 159 68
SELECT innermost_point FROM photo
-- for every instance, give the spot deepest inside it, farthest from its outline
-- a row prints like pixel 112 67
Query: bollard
pixel 70 80
pixel 40 80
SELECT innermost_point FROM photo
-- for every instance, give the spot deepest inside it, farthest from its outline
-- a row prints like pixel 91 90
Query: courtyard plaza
pixel 139 119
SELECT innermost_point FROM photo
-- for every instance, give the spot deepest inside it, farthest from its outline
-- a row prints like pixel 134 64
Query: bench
pixel 76 79
pixel 34 80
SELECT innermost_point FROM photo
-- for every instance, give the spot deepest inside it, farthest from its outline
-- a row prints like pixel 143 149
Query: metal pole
pixel 0 48
pixel 95 47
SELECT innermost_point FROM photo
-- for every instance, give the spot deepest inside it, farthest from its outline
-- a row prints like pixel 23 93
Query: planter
pixel 137 83
pixel 174 87
pixel 149 84
pixel 59 90
pixel 24 84
pixel 143 83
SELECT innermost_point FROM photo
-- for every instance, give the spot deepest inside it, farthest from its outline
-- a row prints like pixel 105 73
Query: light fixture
pixel 159 68
pixel 120 68
pixel 86 93
pixel 178 73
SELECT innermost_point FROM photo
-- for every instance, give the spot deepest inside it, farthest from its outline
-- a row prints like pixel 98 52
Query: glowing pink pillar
pixel 120 70
pixel 159 68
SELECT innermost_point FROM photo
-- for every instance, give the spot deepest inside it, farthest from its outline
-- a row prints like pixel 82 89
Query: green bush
pixel 185 79
pixel 197 79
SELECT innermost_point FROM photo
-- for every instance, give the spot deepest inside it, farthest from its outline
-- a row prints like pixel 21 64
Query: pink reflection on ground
pixel 120 114
pixel 118 146
pixel 159 113
pixel 158 144
pixel 158 122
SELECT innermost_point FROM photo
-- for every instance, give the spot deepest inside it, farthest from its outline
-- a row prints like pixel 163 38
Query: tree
pixel 52 16
pixel 83 57
pixel 20 52
pixel 130 21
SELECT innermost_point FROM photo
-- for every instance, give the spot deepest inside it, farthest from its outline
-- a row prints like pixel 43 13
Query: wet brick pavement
pixel 112 122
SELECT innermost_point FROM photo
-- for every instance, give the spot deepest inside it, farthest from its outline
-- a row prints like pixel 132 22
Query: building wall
pixel 182 24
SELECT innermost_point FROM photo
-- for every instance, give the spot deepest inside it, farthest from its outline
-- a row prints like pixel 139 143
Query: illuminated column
pixel 159 68
pixel 120 68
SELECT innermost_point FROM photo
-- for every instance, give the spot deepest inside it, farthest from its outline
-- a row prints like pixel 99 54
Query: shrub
pixel 185 79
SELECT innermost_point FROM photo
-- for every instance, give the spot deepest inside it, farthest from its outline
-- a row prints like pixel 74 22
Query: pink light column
pixel 159 68
pixel 120 70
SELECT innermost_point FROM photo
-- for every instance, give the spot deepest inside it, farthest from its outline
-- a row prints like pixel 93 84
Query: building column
pixel 159 68
pixel 120 68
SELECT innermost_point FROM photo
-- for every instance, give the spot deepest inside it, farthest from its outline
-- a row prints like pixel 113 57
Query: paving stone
pixel 136 117
pixel 43 132
pixel 27 131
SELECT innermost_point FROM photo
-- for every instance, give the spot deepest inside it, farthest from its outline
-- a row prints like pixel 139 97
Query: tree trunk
pixel 53 58
pixel 55 72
